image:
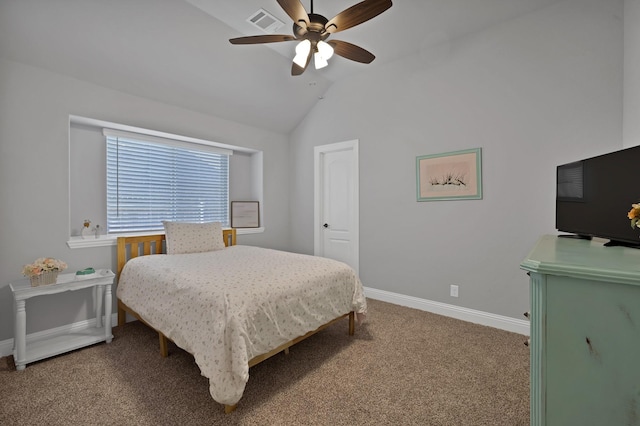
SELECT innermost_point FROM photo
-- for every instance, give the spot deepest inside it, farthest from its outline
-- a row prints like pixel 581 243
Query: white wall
pixel 534 92
pixel 34 177
pixel 631 127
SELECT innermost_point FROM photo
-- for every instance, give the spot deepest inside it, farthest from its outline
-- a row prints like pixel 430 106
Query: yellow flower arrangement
pixel 634 215
pixel 42 265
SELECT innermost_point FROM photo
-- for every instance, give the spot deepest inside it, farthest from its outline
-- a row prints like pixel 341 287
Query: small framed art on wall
pixel 450 176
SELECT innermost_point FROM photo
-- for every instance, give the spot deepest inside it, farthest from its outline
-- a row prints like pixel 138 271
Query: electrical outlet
pixel 454 291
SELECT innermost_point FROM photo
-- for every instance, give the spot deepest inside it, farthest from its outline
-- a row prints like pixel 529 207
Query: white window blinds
pixel 150 181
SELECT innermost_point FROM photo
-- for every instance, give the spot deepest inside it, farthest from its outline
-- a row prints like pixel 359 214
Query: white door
pixel 336 202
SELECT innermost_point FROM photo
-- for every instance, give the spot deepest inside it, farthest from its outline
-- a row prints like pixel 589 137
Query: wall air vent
pixel 265 21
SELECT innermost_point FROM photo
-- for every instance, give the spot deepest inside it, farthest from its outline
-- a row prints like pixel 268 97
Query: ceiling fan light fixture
pixel 319 60
pixel 325 50
pixel 302 52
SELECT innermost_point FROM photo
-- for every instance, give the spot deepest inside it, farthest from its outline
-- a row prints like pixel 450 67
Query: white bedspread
pixel 228 306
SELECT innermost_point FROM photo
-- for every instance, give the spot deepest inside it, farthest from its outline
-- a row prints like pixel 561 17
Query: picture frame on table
pixel 245 214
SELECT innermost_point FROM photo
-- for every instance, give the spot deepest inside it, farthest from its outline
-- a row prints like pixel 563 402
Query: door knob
pixel 326 225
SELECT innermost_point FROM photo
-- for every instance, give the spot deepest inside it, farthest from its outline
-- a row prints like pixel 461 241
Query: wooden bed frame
pixel 131 247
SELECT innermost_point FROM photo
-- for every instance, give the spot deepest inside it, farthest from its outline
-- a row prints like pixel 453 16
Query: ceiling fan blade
pixel 297 69
pixel 296 11
pixel 357 14
pixel 271 38
pixel 351 51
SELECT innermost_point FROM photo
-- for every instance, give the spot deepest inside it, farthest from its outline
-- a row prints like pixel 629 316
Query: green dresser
pixel 585 333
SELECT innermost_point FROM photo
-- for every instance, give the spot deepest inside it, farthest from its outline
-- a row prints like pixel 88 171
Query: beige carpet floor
pixel 402 367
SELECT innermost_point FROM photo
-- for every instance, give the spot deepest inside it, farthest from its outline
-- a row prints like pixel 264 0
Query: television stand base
pixel 575 236
pixel 614 243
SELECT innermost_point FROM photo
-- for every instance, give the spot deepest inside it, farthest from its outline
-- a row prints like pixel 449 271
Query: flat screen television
pixel 594 195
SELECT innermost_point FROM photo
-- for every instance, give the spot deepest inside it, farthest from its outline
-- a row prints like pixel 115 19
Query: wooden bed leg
pixel 230 408
pixel 164 345
pixel 286 351
pixel 122 315
pixel 352 323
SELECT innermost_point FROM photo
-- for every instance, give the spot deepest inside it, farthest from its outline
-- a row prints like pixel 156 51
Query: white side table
pixel 36 349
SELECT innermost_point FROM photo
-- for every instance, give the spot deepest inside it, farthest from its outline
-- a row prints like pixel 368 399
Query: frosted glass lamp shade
pixel 302 52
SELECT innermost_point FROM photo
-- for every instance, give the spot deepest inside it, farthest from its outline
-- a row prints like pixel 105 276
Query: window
pixel 151 179
pixel 88 178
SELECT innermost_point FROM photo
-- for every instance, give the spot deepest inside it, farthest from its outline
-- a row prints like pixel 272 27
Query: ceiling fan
pixel 311 30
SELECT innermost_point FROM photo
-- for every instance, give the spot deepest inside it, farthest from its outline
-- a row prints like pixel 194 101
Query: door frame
pixel 318 192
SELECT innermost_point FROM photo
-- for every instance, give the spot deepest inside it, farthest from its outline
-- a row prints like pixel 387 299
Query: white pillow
pixel 184 237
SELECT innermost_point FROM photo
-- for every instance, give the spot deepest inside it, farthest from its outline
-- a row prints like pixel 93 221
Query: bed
pixel 233 306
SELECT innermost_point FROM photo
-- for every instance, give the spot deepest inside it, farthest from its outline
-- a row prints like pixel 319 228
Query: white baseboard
pixel 477 317
pixel 471 315
pixel 6 346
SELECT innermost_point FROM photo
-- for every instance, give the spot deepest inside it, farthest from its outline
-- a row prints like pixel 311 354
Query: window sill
pixel 112 240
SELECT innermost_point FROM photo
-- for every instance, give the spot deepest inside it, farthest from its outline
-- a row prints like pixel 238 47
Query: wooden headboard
pixel 143 245
pixel 131 247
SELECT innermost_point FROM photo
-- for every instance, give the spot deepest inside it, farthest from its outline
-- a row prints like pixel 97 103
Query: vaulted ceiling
pixel 177 51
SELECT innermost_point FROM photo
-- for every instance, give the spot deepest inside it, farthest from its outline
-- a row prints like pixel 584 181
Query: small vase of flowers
pixel 634 215
pixel 44 271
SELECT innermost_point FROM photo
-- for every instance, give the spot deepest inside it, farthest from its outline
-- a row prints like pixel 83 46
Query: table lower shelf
pixel 42 348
